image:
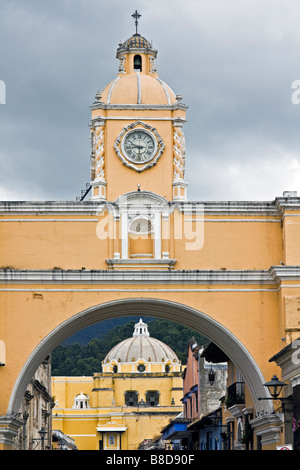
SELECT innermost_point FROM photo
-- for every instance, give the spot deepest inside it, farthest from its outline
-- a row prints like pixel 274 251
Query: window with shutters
pixel 131 398
pixel 152 398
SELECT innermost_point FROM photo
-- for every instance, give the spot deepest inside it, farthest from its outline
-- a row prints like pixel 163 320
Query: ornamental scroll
pixel 178 153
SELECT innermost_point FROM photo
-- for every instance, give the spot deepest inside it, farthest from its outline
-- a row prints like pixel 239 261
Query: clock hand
pixel 137 146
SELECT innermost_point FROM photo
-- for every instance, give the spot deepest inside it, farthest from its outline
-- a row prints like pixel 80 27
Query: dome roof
pixel 81 396
pixel 136 42
pixel 141 346
pixel 138 88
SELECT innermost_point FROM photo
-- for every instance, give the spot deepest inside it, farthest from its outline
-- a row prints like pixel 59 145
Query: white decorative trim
pixel 43 208
pixel 289 366
pixel 201 277
pixel 268 427
pixel 139 88
pixel 124 236
pixel 216 208
pixel 99 183
pixel 248 411
pixel 9 426
pixel 178 152
pixel 285 273
pixel 129 263
pixel 111 89
pixel 135 106
pixel 138 118
pixel 179 187
pixel 166 289
pixel 165 216
pixel 235 208
pixel 165 90
pixel 98 150
pixel 121 64
pixel 142 263
pixel 153 68
pixel 111 428
pixel 236 410
pixel 142 198
pixel 243 220
pixel 49 220
pixel 157 235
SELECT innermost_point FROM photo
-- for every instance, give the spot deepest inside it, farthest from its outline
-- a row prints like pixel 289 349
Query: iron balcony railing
pixel 235 394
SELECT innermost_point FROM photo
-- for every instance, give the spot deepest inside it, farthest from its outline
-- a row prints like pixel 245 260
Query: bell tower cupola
pixel 136 129
pixel 136 54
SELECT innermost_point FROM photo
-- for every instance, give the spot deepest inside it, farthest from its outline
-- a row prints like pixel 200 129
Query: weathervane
pixel 136 16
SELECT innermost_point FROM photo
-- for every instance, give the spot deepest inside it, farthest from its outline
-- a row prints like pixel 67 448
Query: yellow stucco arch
pixel 161 308
pixel 228 269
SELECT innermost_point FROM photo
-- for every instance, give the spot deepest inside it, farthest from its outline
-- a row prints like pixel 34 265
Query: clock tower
pixel 136 129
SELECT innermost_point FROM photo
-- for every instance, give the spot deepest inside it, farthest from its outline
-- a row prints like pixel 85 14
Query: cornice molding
pixel 272 276
pixel 9 425
pixel 138 107
pixel 40 208
pixel 287 203
pixel 218 208
pixel 275 209
pixel 268 427
pixel 285 273
pixel 58 276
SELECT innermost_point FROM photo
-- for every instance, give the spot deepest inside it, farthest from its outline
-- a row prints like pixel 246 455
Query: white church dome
pixel 141 346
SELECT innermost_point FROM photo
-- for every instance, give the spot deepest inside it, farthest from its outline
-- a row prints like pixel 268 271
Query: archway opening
pixel 173 311
pixel 137 62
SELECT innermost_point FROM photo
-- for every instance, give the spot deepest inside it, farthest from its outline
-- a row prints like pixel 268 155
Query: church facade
pixel 137 393
pixel 137 246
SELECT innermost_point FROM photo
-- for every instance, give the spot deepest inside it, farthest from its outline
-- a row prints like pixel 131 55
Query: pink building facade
pixel 191 382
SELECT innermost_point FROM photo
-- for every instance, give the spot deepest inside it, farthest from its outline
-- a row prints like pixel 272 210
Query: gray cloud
pixel 233 62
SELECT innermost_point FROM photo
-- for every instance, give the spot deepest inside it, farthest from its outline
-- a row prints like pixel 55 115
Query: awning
pixel 176 429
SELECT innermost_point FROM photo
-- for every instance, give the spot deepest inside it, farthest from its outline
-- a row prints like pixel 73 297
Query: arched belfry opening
pixel 137 62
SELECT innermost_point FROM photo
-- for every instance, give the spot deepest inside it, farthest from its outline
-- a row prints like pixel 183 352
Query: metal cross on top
pixel 136 16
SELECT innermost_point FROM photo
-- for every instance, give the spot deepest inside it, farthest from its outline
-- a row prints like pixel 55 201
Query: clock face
pixel 139 146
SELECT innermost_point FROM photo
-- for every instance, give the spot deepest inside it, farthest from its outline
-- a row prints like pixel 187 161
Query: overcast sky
pixel 233 61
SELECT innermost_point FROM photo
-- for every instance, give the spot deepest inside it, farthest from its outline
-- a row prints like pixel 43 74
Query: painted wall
pixel 107 410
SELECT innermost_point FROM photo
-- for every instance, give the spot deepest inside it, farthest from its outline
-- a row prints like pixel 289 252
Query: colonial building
pixel 135 395
pixel 204 386
pixel 36 412
pixel 289 361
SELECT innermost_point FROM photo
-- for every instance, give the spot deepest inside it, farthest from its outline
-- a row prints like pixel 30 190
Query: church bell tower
pixel 136 129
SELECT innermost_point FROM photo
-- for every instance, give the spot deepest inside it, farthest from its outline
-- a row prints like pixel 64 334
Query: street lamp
pixel 211 376
pixel 42 432
pixel 275 387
